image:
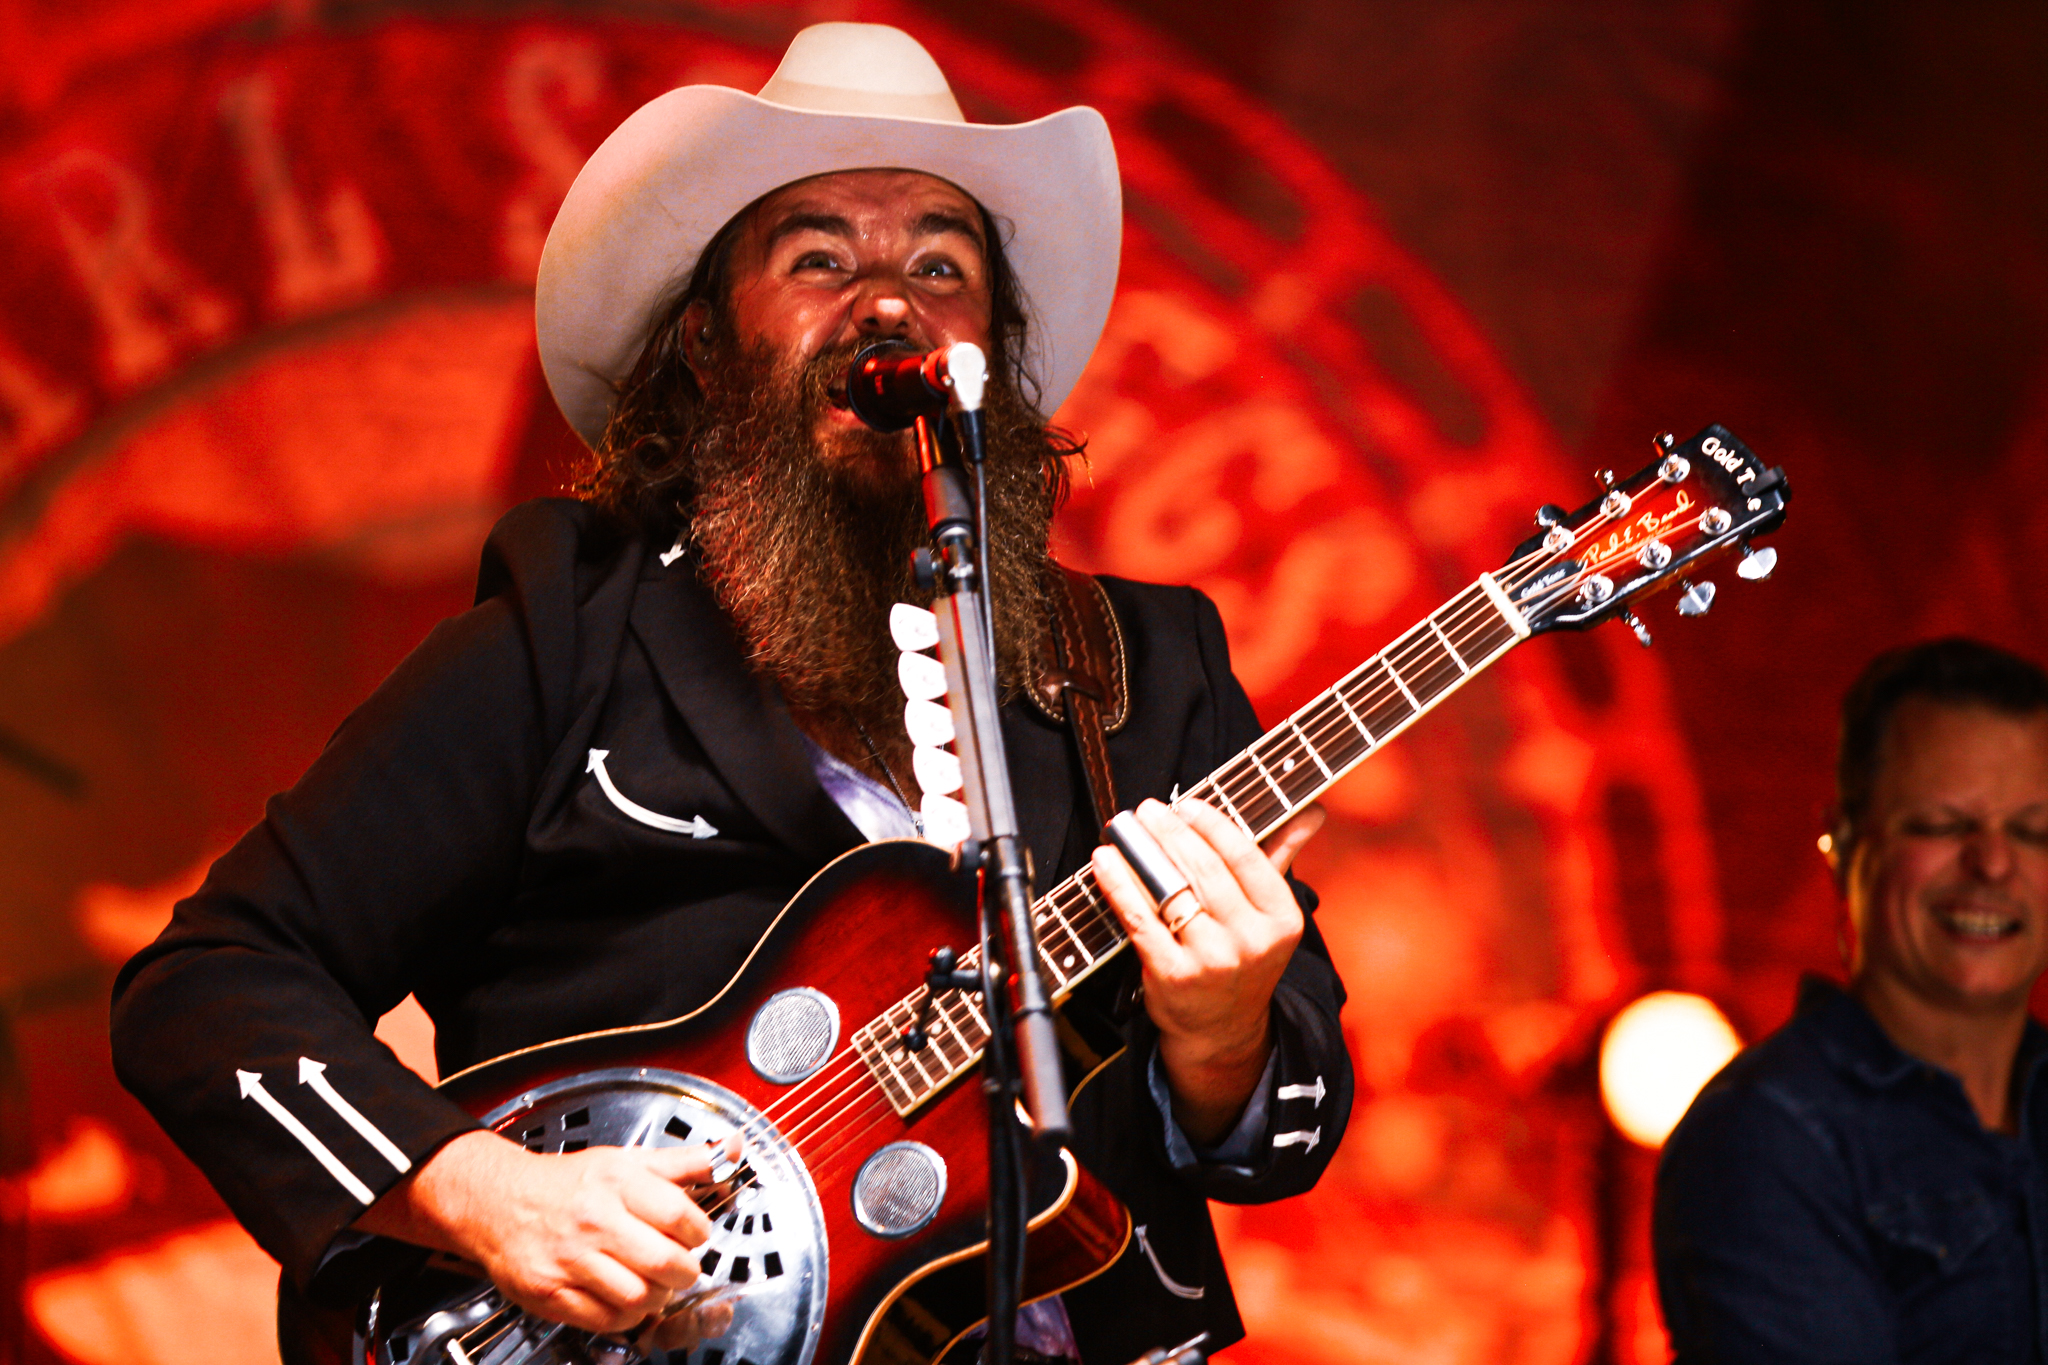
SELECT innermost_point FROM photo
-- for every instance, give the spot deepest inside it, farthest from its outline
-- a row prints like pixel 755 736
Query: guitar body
pixel 852 1232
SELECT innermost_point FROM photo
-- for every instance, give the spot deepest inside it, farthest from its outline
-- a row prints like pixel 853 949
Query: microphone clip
pixel 890 385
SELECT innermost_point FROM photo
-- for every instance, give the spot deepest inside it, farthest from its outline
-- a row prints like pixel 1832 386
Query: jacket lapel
pixel 1042 779
pixel 740 721
pixel 749 736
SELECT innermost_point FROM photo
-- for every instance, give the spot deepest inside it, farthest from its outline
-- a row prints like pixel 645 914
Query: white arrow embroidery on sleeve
pixel 1306 1140
pixel 697 827
pixel 314 1074
pixel 1302 1092
pixel 672 553
pixel 252 1088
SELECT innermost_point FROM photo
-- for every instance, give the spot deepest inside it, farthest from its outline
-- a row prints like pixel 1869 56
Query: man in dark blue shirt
pixel 1870 1183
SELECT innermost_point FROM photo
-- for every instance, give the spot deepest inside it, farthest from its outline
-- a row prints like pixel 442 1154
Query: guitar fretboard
pixel 1283 770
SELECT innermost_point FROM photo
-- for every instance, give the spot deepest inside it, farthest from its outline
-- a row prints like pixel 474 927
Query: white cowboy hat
pixel 846 97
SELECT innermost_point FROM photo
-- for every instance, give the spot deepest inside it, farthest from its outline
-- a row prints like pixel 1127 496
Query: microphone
pixel 890 386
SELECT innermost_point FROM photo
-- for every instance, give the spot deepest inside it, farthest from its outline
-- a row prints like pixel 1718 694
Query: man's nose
pixel 1988 854
pixel 882 310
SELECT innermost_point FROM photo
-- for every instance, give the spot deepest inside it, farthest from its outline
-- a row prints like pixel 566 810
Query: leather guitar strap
pixel 1083 680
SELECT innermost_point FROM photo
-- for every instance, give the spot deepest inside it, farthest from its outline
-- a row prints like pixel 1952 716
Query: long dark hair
pixel 641 469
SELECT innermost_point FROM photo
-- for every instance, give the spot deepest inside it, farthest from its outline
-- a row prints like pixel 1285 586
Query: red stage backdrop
pixel 267 375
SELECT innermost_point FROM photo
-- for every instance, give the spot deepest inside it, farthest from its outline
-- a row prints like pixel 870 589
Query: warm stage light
pixel 1657 1054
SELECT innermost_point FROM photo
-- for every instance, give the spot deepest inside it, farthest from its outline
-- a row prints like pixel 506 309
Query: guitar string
pixel 512 1314
pixel 1231 779
pixel 1402 652
pixel 1405 651
pixel 1458 626
pixel 848 1069
pixel 1315 723
pixel 1405 647
pixel 1408 651
pixel 823 1097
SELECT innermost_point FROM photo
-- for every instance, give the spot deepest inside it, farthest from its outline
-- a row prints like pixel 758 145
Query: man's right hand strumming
pixel 601 1239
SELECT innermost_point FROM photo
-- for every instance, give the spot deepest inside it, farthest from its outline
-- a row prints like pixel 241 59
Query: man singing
pixel 1869 1184
pixel 580 805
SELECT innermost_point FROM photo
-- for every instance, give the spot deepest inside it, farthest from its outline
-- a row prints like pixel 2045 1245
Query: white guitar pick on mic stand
pixel 937 769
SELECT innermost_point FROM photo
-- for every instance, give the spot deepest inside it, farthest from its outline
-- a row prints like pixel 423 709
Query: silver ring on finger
pixel 1176 923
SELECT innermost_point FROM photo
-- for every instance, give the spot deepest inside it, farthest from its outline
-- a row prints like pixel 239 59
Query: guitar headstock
pixel 1698 500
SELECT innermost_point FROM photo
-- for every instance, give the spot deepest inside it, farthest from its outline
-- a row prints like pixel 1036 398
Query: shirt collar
pixel 1854 1041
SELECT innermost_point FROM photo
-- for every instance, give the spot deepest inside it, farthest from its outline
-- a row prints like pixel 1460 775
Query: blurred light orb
pixel 1657 1054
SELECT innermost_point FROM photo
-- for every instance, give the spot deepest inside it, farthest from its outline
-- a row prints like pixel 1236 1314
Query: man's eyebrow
pixel 934 222
pixel 945 220
pixel 809 222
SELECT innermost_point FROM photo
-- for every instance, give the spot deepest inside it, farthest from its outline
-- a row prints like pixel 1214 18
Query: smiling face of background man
pixel 1948 882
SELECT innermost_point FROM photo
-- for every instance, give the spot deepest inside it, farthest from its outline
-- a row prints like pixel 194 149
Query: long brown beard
pixel 808 556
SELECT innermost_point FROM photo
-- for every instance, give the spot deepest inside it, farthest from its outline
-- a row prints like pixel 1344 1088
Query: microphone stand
pixel 1012 988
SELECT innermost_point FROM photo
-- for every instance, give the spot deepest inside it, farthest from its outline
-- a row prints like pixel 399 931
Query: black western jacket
pixel 453 842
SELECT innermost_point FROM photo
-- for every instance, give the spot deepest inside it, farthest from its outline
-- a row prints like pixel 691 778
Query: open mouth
pixel 1977 922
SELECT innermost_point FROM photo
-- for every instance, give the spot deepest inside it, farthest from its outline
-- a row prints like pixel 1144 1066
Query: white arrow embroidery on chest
pixel 697 827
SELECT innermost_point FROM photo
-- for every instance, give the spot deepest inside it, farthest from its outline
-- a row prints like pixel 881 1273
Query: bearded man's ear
pixel 696 340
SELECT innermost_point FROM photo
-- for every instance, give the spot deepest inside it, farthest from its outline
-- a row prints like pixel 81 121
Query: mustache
pixel 1977 899
pixel 808 553
pixel 822 379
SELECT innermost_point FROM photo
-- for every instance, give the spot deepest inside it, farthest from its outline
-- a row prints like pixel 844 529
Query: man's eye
pixel 815 260
pixel 2031 832
pixel 1932 827
pixel 939 268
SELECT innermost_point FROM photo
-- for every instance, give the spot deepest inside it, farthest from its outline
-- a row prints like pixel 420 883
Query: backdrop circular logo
pixel 267 373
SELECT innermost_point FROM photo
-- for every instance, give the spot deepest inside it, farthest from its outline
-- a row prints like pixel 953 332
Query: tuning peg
pixel 1604 477
pixel 1756 565
pixel 1549 515
pixel 1635 624
pixel 1696 598
pixel 1664 440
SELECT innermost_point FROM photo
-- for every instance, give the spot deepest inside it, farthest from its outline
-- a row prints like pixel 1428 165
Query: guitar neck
pixel 1280 772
